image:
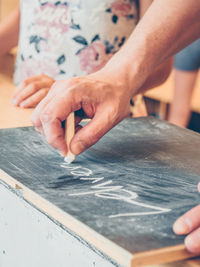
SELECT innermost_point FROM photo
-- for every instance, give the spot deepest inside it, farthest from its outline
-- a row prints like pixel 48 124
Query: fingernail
pixel 182 226
pixel 192 243
pixel 77 148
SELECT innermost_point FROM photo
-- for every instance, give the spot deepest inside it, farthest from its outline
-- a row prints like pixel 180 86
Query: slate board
pixel 129 187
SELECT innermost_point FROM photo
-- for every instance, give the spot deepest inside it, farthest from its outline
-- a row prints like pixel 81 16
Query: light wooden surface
pixel 11 116
pixel 164 94
pixel 69 134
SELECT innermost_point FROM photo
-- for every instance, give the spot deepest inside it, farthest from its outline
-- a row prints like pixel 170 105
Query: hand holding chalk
pixel 104 100
pixel 69 133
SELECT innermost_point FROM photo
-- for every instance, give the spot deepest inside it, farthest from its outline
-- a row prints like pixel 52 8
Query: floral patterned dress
pixel 63 39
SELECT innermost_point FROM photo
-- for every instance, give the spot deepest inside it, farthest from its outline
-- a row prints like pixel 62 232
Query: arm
pixel 158 35
pixel 161 73
pixel 9 31
pixel 104 96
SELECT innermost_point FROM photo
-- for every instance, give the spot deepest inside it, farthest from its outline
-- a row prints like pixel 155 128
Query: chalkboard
pixel 129 187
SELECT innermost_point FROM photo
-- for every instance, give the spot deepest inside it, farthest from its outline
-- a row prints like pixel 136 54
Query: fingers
pixel 30 87
pixel 55 102
pixel 35 116
pixel 33 100
pixel 192 241
pixel 54 133
pixel 27 92
pixel 51 114
pixel 48 118
pixel 91 133
pixel 188 222
pixel 25 83
pixel 94 97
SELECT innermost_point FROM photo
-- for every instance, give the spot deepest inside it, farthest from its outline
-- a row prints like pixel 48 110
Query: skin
pixel 31 91
pixel 126 74
pixel 104 96
pixel 189 224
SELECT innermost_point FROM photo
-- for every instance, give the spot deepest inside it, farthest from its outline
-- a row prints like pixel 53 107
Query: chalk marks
pixel 107 190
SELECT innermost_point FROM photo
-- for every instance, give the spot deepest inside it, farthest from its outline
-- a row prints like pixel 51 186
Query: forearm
pixel 9 31
pixel 167 26
pixel 159 76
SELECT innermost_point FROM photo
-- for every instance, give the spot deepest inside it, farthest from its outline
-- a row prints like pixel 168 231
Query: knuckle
pixel 114 110
pixel 34 86
pixel 45 117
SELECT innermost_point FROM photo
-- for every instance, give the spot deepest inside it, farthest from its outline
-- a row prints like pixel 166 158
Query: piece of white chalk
pixel 69 133
pixel 69 159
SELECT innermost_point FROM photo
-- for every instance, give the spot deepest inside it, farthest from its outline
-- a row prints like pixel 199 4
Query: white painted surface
pixel 28 238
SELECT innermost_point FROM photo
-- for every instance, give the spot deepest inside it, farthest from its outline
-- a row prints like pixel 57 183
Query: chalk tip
pixel 69 158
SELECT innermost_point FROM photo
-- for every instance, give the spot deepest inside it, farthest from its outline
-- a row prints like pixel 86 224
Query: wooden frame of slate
pixel 121 196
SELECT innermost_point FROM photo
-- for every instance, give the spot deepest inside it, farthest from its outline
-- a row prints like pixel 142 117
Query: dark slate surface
pixel 130 186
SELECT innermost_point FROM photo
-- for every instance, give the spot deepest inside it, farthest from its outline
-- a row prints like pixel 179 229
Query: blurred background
pixel 177 100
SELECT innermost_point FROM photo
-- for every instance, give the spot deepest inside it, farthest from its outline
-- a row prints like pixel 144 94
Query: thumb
pixel 91 133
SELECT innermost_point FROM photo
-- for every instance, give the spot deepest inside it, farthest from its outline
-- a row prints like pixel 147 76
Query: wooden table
pixel 164 95
pixel 11 116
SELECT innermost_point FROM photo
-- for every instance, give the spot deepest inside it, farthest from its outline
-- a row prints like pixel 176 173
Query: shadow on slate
pixel 129 187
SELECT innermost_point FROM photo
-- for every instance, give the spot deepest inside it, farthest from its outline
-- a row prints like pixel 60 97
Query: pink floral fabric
pixel 68 38
pixel 64 39
pixel 53 21
pixel 93 57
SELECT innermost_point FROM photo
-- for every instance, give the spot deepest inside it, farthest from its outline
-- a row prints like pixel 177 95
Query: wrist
pixel 129 69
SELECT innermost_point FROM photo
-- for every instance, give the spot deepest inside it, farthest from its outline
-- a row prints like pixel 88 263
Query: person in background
pixel 187 64
pixel 63 39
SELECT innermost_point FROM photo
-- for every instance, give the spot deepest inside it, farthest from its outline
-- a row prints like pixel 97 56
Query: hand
pixel 31 91
pixel 189 224
pixel 99 96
